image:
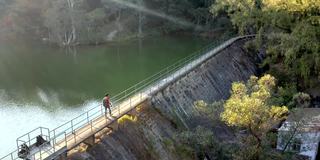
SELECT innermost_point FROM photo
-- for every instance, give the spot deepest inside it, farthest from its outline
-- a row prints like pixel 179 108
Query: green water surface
pixel 49 76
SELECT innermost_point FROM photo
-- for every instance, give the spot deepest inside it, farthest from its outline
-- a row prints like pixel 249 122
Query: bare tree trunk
pixel 72 36
pixel 49 35
pixel 66 39
pixel 118 21
pixel 259 142
pixel 167 6
pixel 290 139
pixel 141 18
pixel 140 25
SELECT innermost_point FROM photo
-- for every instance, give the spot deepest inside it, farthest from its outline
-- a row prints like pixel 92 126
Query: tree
pixel 65 21
pixel 249 108
pixel 210 111
pixel 3 7
pixel 24 18
pixel 4 20
pixel 291 30
pixel 301 100
pixel 204 144
pixel 95 25
pixel 72 22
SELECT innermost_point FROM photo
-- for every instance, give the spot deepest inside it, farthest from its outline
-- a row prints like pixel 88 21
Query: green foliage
pixel 250 107
pixel 248 152
pixel 185 152
pixel 301 100
pixel 212 111
pixel 299 51
pixel 20 17
pixel 198 142
pixel 284 95
pixel 95 25
pixel 292 31
pixel 253 46
pixel 202 142
pixel 72 22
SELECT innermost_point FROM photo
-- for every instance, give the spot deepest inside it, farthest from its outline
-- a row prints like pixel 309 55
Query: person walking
pixel 107 104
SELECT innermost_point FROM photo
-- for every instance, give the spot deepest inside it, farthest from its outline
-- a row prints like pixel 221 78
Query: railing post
pixel 40 154
pixel 167 73
pixel 167 70
pixel 75 138
pixel 29 139
pixel 135 89
pixel 65 139
pixel 119 109
pixel 49 134
pixel 87 117
pixel 11 156
pixel 72 126
pixel 53 145
pixel 130 103
pixel 54 139
pixel 91 125
pixel 41 132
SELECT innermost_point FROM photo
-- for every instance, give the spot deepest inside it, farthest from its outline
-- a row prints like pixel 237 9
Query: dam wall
pixel 159 119
pixel 211 81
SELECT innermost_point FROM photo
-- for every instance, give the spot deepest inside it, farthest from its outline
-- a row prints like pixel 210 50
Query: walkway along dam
pixel 55 144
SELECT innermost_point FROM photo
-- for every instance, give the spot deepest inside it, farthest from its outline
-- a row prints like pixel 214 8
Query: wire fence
pixel 68 133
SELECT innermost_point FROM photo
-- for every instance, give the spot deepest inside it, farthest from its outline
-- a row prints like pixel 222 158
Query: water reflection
pixel 76 74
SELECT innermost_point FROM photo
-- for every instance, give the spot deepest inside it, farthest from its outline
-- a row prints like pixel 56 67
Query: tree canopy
pixel 249 107
pixel 290 30
pixel 71 22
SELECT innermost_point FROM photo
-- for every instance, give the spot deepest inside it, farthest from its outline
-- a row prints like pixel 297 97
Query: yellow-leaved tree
pixel 249 107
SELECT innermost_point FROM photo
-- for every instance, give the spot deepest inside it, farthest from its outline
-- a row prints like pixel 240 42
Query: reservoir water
pixel 43 85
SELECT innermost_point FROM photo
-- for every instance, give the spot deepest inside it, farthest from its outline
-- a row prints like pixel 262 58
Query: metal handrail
pixel 138 89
